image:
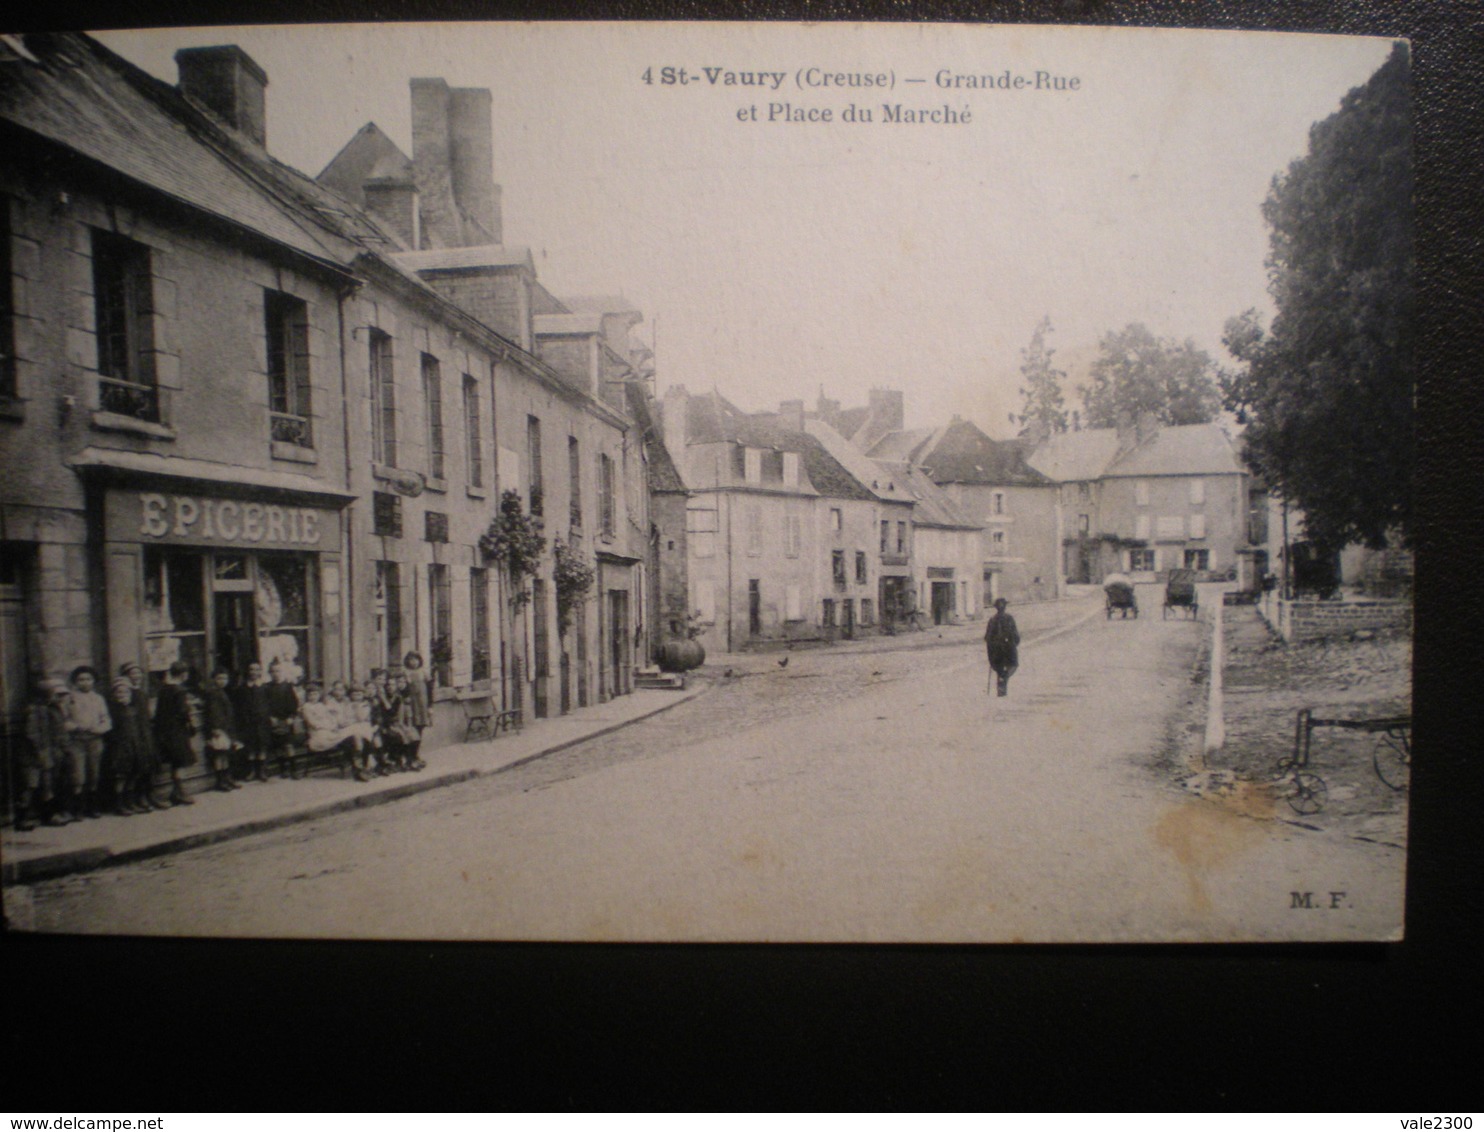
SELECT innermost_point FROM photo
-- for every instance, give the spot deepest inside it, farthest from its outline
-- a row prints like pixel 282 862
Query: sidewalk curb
pixel 71 861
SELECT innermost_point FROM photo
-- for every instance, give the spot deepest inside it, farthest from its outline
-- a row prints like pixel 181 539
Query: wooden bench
pixel 483 721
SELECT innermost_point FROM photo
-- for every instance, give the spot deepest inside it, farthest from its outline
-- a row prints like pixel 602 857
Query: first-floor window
pixel 1141 559
pixel 479 623
pixel 837 567
pixel 860 567
pixel 440 599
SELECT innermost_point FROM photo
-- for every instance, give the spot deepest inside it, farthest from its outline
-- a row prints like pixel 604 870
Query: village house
pixel 1143 499
pixel 244 419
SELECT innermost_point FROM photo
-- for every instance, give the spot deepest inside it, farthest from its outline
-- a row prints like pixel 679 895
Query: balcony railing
pixel 129 399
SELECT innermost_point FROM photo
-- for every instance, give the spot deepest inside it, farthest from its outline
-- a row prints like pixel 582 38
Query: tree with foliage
pixel 1137 373
pixel 1044 406
pixel 1326 394
pixel 514 541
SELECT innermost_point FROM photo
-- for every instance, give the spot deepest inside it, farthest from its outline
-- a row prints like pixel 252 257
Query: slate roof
pixel 87 99
pixel 1181 450
pixel 369 153
pixel 663 475
pixel 931 505
pixel 963 453
pixel 904 444
pixel 880 478
pixel 1174 450
pixel 712 419
pixel 1071 457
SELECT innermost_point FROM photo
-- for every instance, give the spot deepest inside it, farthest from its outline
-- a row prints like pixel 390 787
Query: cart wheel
pixel 1393 765
pixel 1306 793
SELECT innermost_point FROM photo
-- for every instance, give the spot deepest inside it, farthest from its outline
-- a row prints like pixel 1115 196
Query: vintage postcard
pixel 706 482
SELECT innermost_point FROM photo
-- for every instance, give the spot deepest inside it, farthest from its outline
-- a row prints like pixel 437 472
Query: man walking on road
pixel 1002 639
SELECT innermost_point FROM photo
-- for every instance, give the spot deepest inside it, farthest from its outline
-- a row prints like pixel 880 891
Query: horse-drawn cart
pixel 1118 592
pixel 1180 593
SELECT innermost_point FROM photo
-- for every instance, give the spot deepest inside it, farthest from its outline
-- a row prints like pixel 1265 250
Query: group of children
pixel 87 753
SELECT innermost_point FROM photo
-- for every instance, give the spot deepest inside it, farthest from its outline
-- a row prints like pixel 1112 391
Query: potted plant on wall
pixel 515 543
pixel 573 578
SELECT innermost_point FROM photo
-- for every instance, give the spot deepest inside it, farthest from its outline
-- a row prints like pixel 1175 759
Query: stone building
pixel 241 418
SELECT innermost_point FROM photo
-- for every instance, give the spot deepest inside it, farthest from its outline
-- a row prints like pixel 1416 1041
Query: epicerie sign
pixel 191 518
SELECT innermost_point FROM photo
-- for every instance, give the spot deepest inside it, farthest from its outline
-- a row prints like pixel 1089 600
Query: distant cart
pixel 1118 592
pixel 1180 593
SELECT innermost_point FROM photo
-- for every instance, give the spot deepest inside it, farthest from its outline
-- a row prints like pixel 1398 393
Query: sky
pixel 775 259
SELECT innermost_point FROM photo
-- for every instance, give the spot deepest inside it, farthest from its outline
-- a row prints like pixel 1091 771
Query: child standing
pixel 41 757
pixel 173 730
pixel 416 707
pixel 221 730
pixel 254 721
pixel 130 768
pixel 284 720
pixel 134 673
pixel 87 723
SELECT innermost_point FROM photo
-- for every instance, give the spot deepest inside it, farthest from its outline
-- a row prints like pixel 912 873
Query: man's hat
pixel 1000 603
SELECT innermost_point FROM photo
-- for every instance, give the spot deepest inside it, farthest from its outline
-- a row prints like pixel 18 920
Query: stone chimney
pixel 888 413
pixel 791 415
pixel 227 82
pixel 453 164
pixel 393 201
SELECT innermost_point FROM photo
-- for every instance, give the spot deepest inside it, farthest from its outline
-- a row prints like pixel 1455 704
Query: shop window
pixel 440 599
pixel 383 400
pixel 286 328
pixel 473 432
pixel 574 484
pixel 606 517
pixel 433 411
pixel 435 526
pixel 389 611
pixel 122 307
pixel 1197 559
pixel 174 613
pixel 837 567
pixel 479 623
pixel 386 518
pixel 533 457
pixel 284 614
pixel 7 307
pixel 860 567
pixel 1141 559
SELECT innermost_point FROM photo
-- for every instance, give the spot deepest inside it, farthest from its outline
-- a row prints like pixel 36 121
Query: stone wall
pixel 1318 620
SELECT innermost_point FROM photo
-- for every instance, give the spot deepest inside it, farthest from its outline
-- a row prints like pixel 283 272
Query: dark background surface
pixel 110 1024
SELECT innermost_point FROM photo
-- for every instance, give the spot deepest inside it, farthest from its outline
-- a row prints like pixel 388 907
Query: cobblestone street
pixel 850 794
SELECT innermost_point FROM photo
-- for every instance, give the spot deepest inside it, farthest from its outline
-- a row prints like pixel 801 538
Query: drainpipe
pixel 348 604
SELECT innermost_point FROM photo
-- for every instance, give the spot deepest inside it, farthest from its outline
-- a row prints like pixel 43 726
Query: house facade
pixel 240 421
pixel 1145 499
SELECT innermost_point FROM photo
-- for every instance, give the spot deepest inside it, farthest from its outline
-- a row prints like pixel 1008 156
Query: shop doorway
pixel 236 644
pixel 942 603
pixel 618 639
